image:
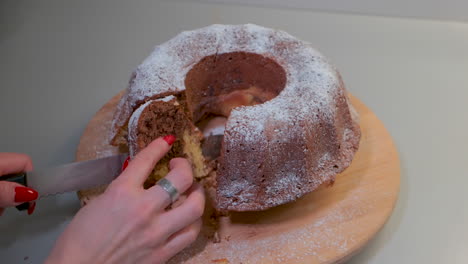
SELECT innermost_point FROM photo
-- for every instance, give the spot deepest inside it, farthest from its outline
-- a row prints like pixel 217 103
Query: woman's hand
pixel 11 193
pixel 128 224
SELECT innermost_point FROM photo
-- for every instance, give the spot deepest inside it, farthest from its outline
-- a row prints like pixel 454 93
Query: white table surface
pixel 62 60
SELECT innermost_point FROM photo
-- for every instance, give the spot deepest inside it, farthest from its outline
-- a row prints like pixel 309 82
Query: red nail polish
pixel 125 164
pixel 170 139
pixel 31 208
pixel 25 194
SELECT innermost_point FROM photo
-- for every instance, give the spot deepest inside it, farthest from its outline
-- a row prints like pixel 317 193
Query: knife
pixel 70 177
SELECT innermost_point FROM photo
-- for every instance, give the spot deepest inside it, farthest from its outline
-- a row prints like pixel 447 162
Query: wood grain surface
pixel 326 226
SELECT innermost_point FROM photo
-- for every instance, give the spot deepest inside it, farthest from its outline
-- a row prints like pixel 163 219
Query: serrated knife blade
pixel 73 176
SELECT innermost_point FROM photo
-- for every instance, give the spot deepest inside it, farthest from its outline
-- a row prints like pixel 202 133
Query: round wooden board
pixel 327 226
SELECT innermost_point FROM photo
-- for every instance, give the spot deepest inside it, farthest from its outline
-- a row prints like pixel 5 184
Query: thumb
pixel 13 194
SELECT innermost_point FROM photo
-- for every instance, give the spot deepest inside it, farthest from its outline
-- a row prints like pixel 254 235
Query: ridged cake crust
pixel 273 152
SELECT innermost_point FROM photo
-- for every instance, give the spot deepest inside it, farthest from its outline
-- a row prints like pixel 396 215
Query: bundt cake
pixel 288 126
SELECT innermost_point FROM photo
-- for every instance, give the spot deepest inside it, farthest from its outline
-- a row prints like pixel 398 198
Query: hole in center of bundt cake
pixel 221 82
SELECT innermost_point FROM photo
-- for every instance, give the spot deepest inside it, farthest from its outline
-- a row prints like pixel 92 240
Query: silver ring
pixel 166 185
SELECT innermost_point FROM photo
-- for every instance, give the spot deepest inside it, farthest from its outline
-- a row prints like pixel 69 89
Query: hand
pixel 128 224
pixel 11 193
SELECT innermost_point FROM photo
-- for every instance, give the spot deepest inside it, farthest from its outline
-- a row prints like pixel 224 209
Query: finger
pixel 143 163
pixel 182 239
pixel 14 163
pixel 13 194
pixel 188 212
pixel 180 176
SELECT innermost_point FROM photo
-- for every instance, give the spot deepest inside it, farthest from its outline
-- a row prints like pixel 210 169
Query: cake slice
pixel 161 117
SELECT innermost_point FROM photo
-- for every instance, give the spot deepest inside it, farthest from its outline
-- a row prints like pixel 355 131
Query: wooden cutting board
pixel 327 226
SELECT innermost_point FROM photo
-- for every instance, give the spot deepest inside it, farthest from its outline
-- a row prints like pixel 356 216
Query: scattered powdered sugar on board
pixel 322 234
pixel 292 245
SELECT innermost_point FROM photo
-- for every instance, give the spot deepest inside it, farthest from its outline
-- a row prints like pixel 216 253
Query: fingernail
pixel 125 164
pixel 170 139
pixel 25 194
pixel 31 208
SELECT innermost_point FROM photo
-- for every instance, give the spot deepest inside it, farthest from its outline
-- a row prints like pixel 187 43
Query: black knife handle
pixel 16 177
pixel 20 178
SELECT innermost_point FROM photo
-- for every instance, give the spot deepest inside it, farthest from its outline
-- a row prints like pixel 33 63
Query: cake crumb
pixel 216 238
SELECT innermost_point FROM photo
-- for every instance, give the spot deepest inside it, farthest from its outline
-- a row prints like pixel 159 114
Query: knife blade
pixel 71 177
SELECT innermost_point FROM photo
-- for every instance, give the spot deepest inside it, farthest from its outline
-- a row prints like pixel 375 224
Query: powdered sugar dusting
pixel 166 99
pixel 133 126
pixel 287 182
pixel 308 73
